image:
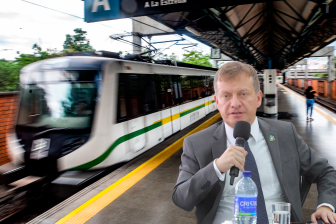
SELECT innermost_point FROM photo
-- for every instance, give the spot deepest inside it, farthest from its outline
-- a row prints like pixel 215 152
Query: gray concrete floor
pixel 149 201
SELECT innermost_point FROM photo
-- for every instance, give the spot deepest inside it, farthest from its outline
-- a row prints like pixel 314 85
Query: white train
pixel 87 112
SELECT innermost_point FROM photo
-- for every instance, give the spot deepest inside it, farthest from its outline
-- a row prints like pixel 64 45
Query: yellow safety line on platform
pixel 90 208
pixel 330 118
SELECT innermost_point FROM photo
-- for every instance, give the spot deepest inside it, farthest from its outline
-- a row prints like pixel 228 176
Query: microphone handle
pixel 234 171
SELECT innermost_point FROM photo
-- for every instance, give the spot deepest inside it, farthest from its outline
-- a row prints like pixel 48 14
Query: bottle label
pixel 245 206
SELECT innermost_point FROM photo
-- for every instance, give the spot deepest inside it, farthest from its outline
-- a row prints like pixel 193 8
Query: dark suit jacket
pixel 198 184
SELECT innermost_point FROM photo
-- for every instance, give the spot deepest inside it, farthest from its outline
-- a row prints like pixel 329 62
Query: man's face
pixel 236 100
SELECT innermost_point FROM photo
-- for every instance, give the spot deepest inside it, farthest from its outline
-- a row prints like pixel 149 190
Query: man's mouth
pixel 236 113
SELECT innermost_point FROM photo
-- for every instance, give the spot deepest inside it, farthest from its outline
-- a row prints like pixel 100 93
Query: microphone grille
pixel 242 129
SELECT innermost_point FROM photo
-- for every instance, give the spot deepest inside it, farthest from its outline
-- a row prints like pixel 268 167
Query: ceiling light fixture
pixel 215 45
pixel 330 38
pixel 315 48
pixel 193 31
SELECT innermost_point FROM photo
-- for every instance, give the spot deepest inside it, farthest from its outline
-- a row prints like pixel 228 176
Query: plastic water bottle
pixel 245 205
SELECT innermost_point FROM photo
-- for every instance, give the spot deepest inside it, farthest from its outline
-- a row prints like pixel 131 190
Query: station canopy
pixel 265 34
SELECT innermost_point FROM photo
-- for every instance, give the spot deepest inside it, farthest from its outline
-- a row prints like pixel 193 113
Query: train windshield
pixel 59 99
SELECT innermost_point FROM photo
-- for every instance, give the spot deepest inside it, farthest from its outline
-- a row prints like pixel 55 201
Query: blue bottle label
pixel 245 206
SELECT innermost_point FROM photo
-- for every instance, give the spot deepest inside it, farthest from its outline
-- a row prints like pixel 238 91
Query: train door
pixel 178 98
pixel 135 111
pixel 136 128
pixel 175 112
pixel 210 106
pixel 206 103
pixel 166 119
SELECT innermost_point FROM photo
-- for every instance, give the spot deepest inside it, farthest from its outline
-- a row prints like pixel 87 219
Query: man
pixel 279 154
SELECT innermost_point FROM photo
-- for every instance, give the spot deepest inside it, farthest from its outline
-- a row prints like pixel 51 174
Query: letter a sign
pixel 98 10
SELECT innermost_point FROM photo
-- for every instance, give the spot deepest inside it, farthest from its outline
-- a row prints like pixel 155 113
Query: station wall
pixel 319 85
pixel 8 106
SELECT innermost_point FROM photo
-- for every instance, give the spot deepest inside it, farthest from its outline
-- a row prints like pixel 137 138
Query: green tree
pixel 77 42
pixel 324 76
pixel 196 58
pixel 9 76
pixel 9 70
pixel 162 56
pixel 25 59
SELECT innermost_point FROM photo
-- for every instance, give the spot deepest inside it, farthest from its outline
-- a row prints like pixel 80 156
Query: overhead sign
pixel 99 10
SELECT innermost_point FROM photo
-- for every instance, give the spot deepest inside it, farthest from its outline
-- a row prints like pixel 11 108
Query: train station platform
pixel 141 190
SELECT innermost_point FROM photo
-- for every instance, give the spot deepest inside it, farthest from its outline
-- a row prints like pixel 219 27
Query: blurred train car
pixel 91 112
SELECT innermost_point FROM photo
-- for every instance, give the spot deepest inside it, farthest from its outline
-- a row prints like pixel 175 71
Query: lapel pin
pixel 272 138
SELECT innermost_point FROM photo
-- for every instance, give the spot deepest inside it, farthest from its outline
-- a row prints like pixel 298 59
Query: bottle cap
pixel 246 173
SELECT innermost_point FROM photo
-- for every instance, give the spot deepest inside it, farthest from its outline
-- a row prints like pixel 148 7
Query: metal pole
pixel 214 64
pixel 136 40
pixel 306 71
pixel 331 73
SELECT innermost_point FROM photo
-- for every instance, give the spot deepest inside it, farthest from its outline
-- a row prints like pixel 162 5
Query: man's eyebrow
pixel 244 89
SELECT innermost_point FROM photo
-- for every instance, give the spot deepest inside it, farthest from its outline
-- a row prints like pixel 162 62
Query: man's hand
pixel 233 156
pixel 324 213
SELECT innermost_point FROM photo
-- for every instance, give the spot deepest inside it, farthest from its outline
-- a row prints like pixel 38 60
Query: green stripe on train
pixel 125 138
pixel 191 110
pixel 120 140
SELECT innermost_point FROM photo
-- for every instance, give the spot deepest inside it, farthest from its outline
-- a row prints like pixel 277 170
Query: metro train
pixel 91 112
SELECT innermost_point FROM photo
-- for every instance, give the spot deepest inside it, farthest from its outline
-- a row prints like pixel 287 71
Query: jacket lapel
pixel 219 146
pixel 271 139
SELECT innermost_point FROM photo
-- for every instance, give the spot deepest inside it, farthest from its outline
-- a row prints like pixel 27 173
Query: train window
pixel 57 105
pixel 61 76
pixel 122 112
pixel 141 94
pixel 164 91
pixel 133 96
pixel 186 85
pixel 209 86
pixel 148 92
pixel 197 87
pixel 137 96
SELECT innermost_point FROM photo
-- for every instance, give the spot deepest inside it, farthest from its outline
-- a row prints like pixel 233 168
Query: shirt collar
pixel 254 132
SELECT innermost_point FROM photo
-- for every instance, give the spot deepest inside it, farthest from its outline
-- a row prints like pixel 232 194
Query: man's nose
pixel 235 102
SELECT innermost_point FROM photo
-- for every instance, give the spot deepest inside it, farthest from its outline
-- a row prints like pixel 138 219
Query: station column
pixel 270 93
pixel 136 39
pixel 331 72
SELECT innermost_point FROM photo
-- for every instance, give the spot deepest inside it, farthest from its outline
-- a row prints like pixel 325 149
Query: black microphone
pixel 241 133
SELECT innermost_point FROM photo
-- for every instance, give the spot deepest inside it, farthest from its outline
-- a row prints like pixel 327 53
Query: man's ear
pixel 259 98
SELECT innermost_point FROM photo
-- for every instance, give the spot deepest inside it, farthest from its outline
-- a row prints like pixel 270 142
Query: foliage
pixel 324 76
pixel 190 57
pixel 196 58
pixel 162 56
pixel 77 42
pixel 9 70
pixel 8 76
pixel 25 59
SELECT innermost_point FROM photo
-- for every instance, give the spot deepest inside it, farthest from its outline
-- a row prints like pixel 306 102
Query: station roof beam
pixel 263 33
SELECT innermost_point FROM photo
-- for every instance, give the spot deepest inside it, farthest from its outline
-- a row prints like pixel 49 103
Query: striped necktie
pixel 250 165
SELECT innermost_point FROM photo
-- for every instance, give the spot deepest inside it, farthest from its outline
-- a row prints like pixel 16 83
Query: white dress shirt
pixel 268 178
